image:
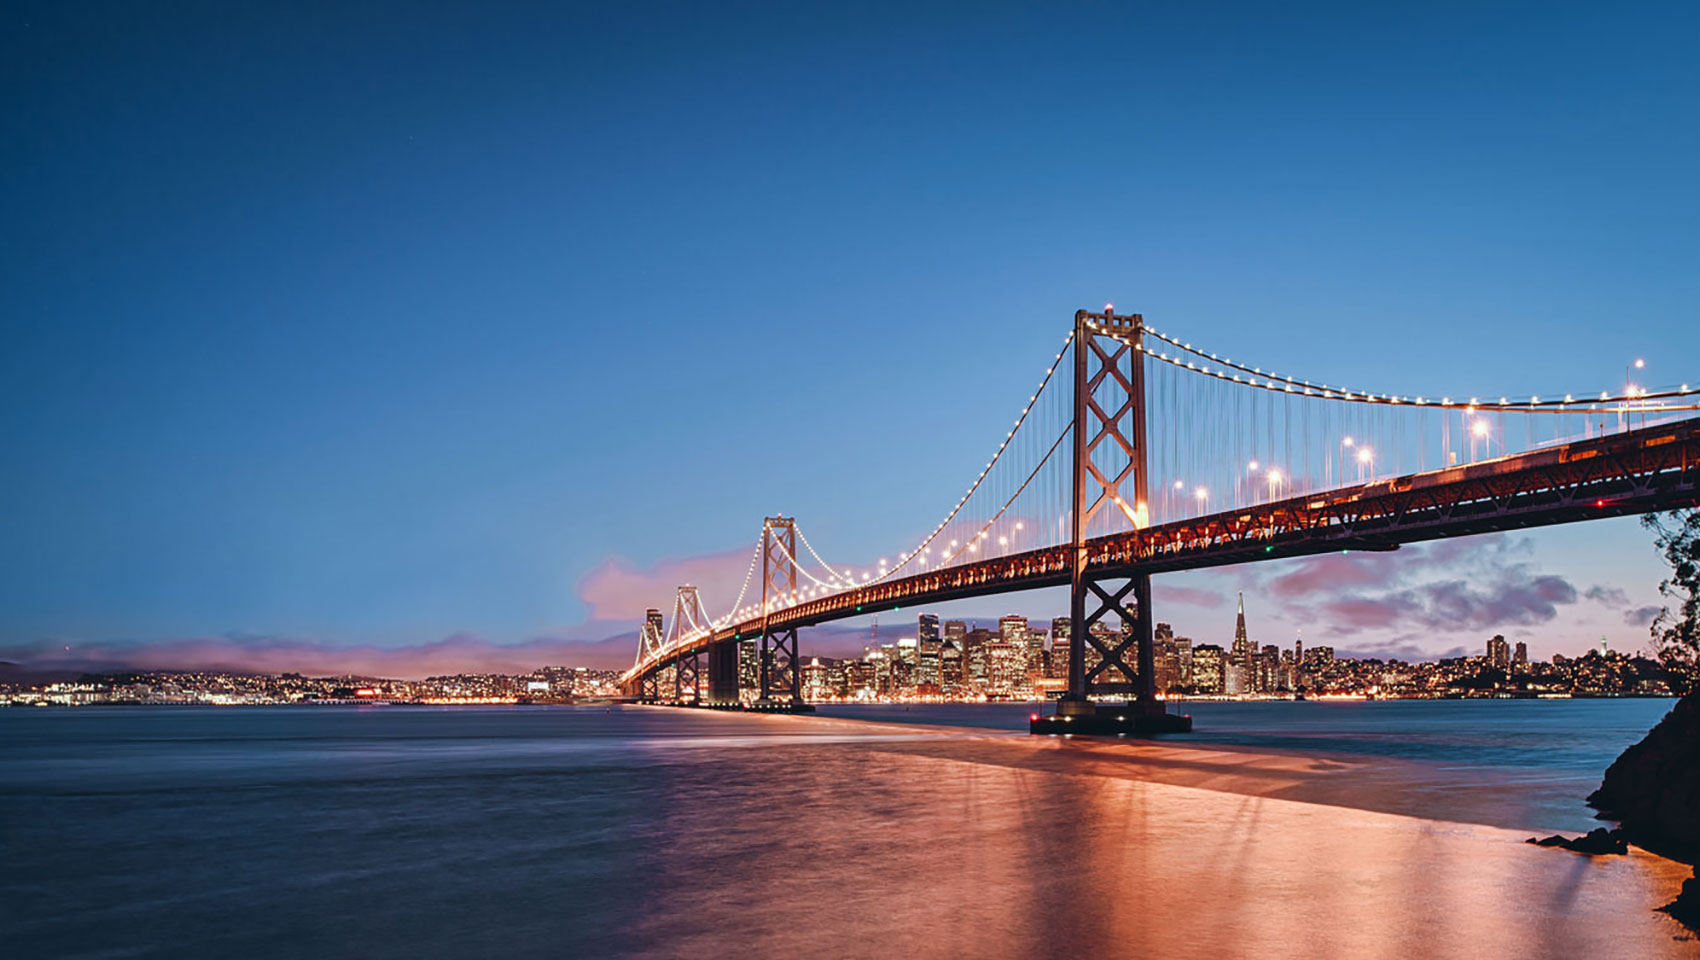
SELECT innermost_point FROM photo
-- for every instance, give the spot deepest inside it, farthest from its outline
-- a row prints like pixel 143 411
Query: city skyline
pixel 945 660
pixel 1202 614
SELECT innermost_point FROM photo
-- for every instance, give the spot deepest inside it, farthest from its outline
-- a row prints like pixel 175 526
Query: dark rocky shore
pixel 1653 792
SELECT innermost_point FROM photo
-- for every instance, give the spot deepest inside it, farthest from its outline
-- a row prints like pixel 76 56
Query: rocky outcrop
pixel 1594 842
pixel 1653 789
pixel 1686 907
pixel 1653 792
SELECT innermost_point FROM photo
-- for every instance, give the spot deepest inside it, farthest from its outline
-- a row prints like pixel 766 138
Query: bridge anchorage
pixel 1163 457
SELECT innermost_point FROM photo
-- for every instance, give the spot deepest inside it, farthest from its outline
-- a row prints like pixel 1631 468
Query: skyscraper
pixel 1242 647
pixel 950 667
pixel 1498 652
pixel 1520 655
pixel 909 651
pixel 815 686
pixel 1035 650
pixel 1013 629
pixel 976 672
pixel 859 678
pixel 1059 648
pixel 1234 681
pixel 1240 673
pixel 749 663
pixel 1006 666
pixel 1207 669
pixel 927 631
pixel 1299 660
pixel 1035 636
pixel 1166 658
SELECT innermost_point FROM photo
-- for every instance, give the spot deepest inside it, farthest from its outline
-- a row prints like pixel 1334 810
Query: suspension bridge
pixel 1140 454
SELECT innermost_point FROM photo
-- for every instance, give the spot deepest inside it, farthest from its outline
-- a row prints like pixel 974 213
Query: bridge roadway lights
pixel 780 706
pixel 1117 719
pixel 758 706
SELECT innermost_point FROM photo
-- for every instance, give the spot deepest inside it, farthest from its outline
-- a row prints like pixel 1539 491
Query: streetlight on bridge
pixel 1345 442
pixel 1629 388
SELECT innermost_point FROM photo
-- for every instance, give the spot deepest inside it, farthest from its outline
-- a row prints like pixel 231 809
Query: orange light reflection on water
pixel 1010 846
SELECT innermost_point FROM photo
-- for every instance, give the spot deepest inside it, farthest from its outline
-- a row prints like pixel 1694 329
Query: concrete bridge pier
pixel 723 674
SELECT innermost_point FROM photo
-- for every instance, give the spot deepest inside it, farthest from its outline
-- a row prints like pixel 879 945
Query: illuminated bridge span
pixel 1160 456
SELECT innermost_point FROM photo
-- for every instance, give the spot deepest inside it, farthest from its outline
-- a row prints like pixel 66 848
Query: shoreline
pixel 1356 781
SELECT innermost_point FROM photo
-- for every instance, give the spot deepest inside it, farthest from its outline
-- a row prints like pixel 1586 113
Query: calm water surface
pixel 1515 763
pixel 550 832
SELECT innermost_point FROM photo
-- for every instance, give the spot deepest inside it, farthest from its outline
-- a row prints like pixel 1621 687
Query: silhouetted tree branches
pixel 1676 630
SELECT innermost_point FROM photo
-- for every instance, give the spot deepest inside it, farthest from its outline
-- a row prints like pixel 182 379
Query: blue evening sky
pixel 375 323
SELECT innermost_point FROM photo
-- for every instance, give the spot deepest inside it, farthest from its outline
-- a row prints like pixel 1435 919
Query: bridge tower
pixel 687 669
pixel 1109 476
pixel 650 643
pixel 780 671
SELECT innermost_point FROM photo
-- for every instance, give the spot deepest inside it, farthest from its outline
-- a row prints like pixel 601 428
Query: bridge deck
pixel 1639 471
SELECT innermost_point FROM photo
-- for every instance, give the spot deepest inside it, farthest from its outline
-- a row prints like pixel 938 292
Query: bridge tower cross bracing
pixel 1109 476
pixel 780 673
pixel 688 614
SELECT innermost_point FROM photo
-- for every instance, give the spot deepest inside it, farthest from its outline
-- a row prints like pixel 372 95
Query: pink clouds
pixel 1607 596
pixel 616 590
pixel 1331 571
pixel 1641 616
pixel 1483 583
pixel 1191 596
pixel 1513 599
pixel 1351 614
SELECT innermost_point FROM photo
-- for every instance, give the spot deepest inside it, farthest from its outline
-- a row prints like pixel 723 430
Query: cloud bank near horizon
pixel 456 653
pixel 1421 602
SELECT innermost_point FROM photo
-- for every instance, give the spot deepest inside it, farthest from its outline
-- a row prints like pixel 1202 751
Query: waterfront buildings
pixel 955 660
pixel 1014 662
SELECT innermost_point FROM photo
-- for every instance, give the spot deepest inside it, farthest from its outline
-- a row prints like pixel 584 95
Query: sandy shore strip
pixel 1360 781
